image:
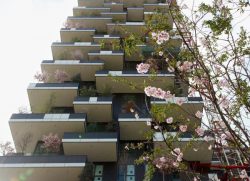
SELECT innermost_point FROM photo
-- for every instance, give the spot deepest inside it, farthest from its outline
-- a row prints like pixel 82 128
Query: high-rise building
pixel 93 98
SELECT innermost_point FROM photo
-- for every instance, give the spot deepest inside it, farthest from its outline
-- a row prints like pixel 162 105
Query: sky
pixel 27 29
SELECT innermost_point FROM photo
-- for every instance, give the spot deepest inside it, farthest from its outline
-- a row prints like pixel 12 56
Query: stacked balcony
pixel 40 168
pixel 93 124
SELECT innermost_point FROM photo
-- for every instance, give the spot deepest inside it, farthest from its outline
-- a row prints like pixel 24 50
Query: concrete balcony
pixel 203 154
pixel 109 41
pixel 86 11
pixel 113 60
pixel 40 168
pixel 85 70
pixel 98 109
pixel 162 7
pixel 77 35
pixel 137 3
pixel 132 128
pixel 44 96
pixel 97 23
pixel 114 6
pixel 135 14
pixel 116 16
pixel 73 51
pixel 100 147
pixel 37 125
pixel 123 29
pixel 141 51
pixel 148 16
pixel 187 110
pixel 125 81
pixel 91 3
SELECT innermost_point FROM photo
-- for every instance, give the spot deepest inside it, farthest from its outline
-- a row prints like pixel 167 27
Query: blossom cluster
pixel 59 76
pixel 157 93
pixel 42 77
pixel 142 68
pixel 51 143
pixel 186 66
pixel 160 37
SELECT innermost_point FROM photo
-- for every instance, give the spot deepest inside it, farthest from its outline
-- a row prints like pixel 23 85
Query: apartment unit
pixel 93 110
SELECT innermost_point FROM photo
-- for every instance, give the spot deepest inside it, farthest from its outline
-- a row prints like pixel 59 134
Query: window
pixel 126 173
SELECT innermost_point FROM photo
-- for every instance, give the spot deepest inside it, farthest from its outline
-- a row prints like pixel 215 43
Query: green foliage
pixel 87 91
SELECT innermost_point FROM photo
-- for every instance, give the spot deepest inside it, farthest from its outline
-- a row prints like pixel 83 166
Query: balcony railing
pixel 77 34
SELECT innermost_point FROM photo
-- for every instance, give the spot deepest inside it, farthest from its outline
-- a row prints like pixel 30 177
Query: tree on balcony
pixel 51 143
pixel 6 148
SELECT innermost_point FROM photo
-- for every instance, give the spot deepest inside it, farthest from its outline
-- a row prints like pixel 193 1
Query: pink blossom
pixel 148 123
pixel 171 69
pixel 176 164
pixel 223 83
pixel 183 128
pixel 243 174
pixel 142 68
pixel 199 131
pixel 156 127
pixel 157 93
pixel 77 55
pixel 179 157
pixel 136 116
pixel 224 102
pixel 195 149
pixel 146 158
pixel 61 76
pixel 210 147
pixel 160 37
pixel 160 53
pixel 165 163
pixel 51 143
pixel 198 114
pixel 208 138
pixel 149 91
pixel 42 77
pixel 176 151
pixel 223 136
pixel 185 67
pixel 191 92
pixel 180 101
pixel 169 120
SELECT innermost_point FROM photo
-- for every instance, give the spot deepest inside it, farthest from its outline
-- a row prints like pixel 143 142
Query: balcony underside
pixel 43 97
pixel 37 125
pixel 75 69
pixel 77 35
pixel 130 82
pixel 41 168
pixel 132 128
pixel 193 149
pixel 100 147
pixel 97 110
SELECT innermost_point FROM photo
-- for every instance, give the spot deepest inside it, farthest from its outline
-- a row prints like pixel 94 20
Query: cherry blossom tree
pixel 51 143
pixel 6 148
pixel 61 76
pixel 213 62
pixel 42 76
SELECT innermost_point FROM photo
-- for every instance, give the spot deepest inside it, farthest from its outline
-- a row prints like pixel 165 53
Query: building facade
pixel 96 102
